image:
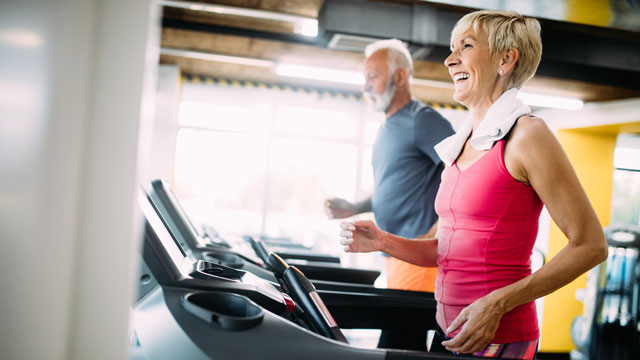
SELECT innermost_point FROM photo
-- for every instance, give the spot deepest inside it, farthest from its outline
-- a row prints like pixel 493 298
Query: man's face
pixel 378 88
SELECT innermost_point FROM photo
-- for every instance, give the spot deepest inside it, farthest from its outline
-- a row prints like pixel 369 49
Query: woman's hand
pixel 361 236
pixel 479 323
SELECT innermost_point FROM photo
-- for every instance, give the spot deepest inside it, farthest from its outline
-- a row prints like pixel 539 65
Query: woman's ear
pixel 508 60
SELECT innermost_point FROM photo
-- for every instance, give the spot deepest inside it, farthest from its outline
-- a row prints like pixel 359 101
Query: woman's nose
pixel 450 60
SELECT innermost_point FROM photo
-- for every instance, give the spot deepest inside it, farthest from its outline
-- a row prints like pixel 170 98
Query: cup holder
pixel 231 260
pixel 210 270
pixel 230 311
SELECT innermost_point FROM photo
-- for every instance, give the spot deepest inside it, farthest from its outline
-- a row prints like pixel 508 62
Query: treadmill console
pixel 172 265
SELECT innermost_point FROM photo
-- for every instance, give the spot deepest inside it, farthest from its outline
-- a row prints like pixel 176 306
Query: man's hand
pixel 339 208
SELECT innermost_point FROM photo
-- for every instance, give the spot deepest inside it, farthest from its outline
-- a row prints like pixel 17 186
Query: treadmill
pixel 246 251
pixel 285 246
pixel 195 309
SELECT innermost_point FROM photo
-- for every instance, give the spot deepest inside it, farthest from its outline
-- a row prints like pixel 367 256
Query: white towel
pixel 500 118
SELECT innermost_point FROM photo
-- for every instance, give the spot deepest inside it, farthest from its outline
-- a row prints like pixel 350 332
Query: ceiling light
pixel 217 57
pixel 432 83
pixel 320 73
pixel 555 102
pixel 306 27
pixel 302 25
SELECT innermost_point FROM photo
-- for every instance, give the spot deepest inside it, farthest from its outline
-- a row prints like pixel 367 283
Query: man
pixel 406 169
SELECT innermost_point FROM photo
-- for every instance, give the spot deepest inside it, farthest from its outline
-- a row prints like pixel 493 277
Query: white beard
pixel 380 102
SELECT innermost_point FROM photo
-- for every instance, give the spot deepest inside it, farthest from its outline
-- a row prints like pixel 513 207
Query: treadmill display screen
pixel 162 190
pixel 173 249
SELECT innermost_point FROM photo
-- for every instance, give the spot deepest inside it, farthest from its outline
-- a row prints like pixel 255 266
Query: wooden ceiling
pixel 236 36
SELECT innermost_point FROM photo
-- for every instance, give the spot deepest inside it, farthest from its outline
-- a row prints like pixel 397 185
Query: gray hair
pixel 397 54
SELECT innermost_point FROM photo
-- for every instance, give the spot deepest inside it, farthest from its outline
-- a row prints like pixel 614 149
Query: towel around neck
pixel 495 125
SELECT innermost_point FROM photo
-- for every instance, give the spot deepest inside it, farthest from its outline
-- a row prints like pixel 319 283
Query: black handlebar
pixel 316 313
pixel 304 294
pixel 277 265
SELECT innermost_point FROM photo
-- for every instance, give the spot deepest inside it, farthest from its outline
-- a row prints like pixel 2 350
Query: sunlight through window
pixel 263 160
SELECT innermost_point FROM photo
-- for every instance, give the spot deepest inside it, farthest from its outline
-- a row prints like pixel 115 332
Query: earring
pixel 501 72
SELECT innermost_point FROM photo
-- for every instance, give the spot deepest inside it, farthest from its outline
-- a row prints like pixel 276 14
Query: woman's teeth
pixel 460 76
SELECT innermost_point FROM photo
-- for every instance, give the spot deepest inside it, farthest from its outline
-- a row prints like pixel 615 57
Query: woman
pixel 503 165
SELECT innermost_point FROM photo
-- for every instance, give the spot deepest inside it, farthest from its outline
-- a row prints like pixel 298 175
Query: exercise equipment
pixel 609 326
pixel 197 309
pixel 241 251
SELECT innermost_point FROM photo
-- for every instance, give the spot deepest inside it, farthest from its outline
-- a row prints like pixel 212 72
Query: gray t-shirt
pixel 406 169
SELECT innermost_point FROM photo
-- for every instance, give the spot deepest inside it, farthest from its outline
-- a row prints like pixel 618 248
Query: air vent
pixel 353 24
pixel 350 42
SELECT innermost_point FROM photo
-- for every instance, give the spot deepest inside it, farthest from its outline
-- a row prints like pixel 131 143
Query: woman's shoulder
pixel 530 130
pixel 529 140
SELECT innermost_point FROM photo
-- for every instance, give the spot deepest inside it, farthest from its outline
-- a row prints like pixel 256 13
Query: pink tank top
pixel 486 231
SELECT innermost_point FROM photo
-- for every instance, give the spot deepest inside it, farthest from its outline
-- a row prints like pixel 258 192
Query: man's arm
pixel 338 208
pixel 431 233
pixel 363 206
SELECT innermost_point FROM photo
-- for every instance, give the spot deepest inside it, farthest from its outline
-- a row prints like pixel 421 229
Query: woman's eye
pixel 466 46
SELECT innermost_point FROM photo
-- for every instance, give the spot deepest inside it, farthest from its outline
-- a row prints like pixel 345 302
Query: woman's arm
pixel 365 236
pixel 534 156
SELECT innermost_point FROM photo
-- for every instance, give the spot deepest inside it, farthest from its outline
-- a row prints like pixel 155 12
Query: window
pixel 220 177
pixel 259 160
pixel 262 161
pixel 625 200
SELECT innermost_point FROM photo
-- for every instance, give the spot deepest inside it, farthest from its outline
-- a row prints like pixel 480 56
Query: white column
pixel 76 78
pixel 165 127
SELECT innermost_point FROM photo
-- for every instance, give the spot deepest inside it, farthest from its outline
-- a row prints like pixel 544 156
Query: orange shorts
pixel 404 276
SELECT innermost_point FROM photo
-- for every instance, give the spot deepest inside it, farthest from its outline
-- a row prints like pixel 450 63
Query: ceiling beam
pixel 310 55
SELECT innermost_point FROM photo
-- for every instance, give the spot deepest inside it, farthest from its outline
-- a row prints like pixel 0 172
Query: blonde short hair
pixel 506 30
pixel 397 55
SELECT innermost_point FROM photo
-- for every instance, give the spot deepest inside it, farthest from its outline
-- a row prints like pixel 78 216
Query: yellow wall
pixel 590 151
pixel 592 157
pixel 592 12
